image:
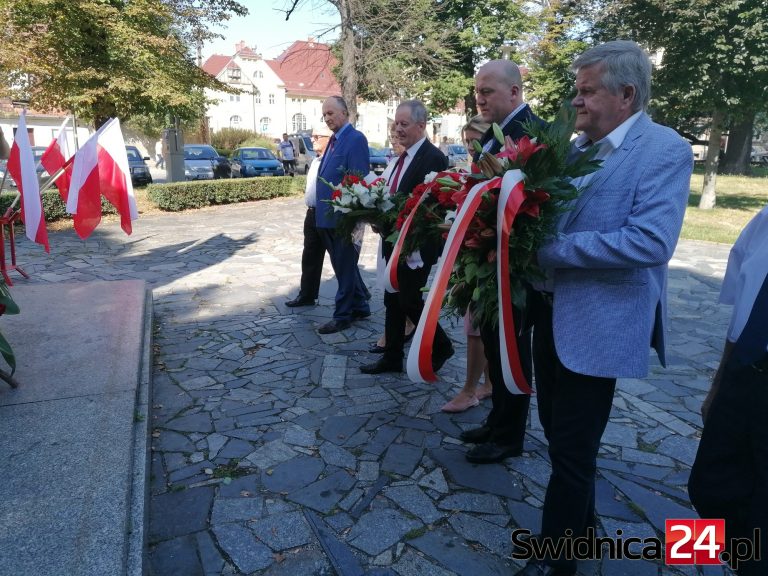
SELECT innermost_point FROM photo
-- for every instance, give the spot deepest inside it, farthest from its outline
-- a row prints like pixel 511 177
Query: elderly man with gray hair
pixel 606 295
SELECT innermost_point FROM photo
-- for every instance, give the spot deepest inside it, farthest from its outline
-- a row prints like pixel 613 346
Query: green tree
pixel 104 58
pixel 714 62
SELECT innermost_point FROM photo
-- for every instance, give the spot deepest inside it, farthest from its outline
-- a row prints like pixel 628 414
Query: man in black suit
pixel 499 95
pixel 419 158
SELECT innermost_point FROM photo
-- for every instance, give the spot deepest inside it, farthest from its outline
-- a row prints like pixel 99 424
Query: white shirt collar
pixel 413 149
pixel 610 142
pixel 512 114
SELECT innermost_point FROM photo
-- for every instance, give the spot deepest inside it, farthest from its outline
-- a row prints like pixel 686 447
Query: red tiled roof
pixel 306 68
pixel 247 52
pixel 215 64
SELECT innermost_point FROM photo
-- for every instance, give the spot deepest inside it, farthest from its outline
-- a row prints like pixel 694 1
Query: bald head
pixel 498 89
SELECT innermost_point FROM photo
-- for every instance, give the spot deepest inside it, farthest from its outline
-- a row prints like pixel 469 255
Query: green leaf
pixel 7 352
pixel 498 133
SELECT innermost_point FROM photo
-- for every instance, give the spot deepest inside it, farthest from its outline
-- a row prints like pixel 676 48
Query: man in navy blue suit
pixel 347 153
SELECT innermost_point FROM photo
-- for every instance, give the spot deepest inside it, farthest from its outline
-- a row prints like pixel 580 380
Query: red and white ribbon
pixel 391 283
pixel 420 355
pixel 511 198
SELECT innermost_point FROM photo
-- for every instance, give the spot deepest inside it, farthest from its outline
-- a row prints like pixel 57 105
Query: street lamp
pixel 506 49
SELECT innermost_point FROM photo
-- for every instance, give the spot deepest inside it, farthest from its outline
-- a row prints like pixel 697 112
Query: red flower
pixel 491 256
pixel 336 195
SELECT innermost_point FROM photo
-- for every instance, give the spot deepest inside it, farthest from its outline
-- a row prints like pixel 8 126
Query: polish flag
pixel 21 166
pixel 101 168
pixel 56 156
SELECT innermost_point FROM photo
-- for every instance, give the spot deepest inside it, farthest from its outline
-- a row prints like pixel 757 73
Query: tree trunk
pixel 708 196
pixel 349 59
pixel 739 147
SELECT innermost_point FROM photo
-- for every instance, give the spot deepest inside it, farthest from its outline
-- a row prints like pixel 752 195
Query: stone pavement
pixel 273 455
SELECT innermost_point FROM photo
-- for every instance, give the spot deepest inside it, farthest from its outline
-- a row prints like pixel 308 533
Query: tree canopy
pixel 100 59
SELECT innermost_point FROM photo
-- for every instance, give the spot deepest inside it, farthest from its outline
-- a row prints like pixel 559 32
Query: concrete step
pixel 74 435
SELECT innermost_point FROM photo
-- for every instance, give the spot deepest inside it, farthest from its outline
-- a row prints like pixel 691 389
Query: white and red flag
pixel 101 168
pixel 55 158
pixel 21 166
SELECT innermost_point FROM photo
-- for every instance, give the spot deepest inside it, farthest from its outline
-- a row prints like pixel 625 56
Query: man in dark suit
pixel 499 94
pixel 419 158
pixel 347 152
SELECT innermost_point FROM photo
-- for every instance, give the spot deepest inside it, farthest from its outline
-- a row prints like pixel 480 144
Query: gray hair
pixel 341 102
pixel 417 109
pixel 624 63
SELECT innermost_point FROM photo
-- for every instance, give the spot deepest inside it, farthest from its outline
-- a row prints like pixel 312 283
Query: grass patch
pixel 739 198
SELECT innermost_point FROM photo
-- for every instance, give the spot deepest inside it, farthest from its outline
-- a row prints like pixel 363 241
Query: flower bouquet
pixel 360 202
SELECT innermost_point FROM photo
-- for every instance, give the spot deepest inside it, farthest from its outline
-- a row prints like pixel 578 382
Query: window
pixel 234 97
pixel 235 120
pixel 256 96
pixel 264 124
pixel 234 74
pixel 271 98
pixel 259 74
pixel 299 122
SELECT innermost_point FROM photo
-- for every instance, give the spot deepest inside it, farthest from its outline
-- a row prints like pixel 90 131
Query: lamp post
pixel 506 49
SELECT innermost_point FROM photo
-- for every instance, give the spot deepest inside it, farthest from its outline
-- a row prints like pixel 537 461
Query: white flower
pixel 430 177
pixel 386 205
pixel 450 216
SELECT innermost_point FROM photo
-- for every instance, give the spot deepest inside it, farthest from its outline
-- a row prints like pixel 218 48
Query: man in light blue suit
pixel 606 302
pixel 347 153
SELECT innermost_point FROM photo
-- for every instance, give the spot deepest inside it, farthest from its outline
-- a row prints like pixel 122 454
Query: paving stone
pixel 379 529
pixel 454 554
pixel 200 422
pixel 241 546
pixel 305 561
pixel 368 471
pixel 215 443
pixel 494 478
pixel 210 558
pixel 179 513
pixel 271 454
pixel 324 494
pixel 236 509
pixel 338 429
pixel 435 480
pixel 177 557
pixel 631 455
pixel 293 474
pixel 240 487
pixel 497 539
pixel 414 564
pixel 282 531
pixel 401 459
pixel 298 436
pixel 169 441
pixel 472 502
pixel 608 504
pixel 337 456
pixel 680 448
pixel 412 499
pixel 236 448
pixel 618 435
pixel 381 440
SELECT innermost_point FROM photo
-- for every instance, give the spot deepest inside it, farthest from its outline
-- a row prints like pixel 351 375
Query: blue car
pixel 251 162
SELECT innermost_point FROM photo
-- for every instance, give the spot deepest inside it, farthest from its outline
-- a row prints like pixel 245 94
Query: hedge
pixel 175 196
pixel 53 207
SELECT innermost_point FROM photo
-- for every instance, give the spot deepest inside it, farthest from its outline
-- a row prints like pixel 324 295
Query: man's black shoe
pixel 537 568
pixel 476 435
pixel 382 365
pixel 300 301
pixel 360 314
pixel 334 326
pixel 491 452
pixel 376 349
pixel 441 357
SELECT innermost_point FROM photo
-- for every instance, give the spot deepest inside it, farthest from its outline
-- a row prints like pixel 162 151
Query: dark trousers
pixel 312 258
pixel 351 295
pixel 408 302
pixel 729 478
pixel 509 412
pixel 574 411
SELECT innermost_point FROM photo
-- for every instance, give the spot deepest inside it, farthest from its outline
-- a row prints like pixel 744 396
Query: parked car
pixel 378 160
pixel 140 175
pixel 759 156
pixel 457 155
pixel 305 152
pixel 250 162
pixel 202 162
pixel 42 174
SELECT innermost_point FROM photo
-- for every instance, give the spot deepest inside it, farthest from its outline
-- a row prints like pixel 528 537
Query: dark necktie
pixel 396 180
pixel 327 153
pixel 751 345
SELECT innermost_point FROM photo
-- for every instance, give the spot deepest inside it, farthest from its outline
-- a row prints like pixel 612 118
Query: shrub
pixel 231 138
pixel 53 206
pixel 176 196
pixel 260 142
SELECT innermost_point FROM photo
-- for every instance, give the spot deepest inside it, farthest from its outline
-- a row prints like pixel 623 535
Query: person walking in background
pixel 729 477
pixel 347 152
pixel 313 253
pixel 419 158
pixel 499 94
pixel 287 155
pixel 477 364
pixel 159 159
pixel 604 301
